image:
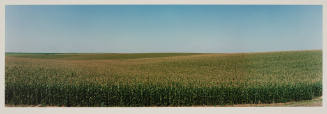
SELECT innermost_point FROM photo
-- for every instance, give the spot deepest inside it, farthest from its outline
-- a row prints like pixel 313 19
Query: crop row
pixel 155 95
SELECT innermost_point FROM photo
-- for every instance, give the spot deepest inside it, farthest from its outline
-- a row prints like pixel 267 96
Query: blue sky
pixel 162 28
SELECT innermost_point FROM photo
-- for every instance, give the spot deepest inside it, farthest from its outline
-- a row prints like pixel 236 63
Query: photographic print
pixel 163 55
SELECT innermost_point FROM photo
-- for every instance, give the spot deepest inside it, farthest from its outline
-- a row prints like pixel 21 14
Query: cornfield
pixel 162 79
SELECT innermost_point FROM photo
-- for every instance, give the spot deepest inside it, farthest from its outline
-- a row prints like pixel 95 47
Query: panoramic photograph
pixel 163 55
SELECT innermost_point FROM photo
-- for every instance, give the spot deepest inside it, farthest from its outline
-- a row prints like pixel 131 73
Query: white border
pixel 160 110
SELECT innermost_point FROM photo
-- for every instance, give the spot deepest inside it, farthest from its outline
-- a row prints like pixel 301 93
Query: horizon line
pixel 157 52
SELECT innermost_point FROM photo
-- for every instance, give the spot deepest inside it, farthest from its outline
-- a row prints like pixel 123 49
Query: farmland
pixel 162 79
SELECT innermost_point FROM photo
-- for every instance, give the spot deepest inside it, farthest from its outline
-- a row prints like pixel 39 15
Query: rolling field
pixel 162 79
